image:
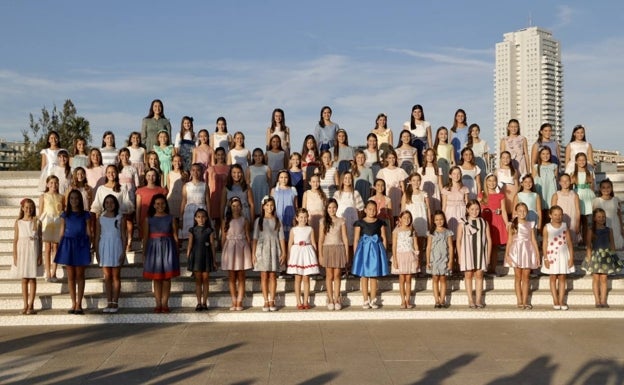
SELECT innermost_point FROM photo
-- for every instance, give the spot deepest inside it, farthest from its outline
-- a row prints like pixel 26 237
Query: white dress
pixel 469 179
pixel 418 208
pixel 393 179
pixel 575 148
pixel 51 163
pixel 240 157
pixel 557 251
pixel 195 199
pixel 302 259
pixel 349 204
pixel 429 184
pixel 27 245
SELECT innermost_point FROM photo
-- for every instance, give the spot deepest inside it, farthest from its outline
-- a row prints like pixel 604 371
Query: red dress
pixel 216 177
pixel 491 212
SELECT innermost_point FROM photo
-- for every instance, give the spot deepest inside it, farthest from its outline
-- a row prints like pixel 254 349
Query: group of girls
pixel 266 210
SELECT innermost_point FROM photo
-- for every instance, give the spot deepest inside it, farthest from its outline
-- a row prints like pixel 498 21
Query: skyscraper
pixel 528 84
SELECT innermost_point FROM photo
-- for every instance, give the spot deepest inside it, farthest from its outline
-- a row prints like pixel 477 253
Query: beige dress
pixel 334 255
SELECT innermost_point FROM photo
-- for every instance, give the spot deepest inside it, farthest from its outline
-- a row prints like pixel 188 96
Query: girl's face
pixel 237 175
pixel 81 175
pixel 203 137
pixel 269 207
pixel 157 108
pixel 544 156
pixel 360 159
pixel 108 140
pixel 326 158
pixel 456 175
pixel 74 200
pixel 220 156
pixel 80 146
pixel 370 210
pixel 221 126
pixel 491 182
pixel 505 159
pixel 195 172
pixel 547 132
pixel 160 205
pixel 391 159
pixel 527 184
pixel 63 159
pixel 341 137
pixel 513 128
pixel 443 136
pixel 556 216
pixel 415 181
pixel 258 158
pixel 522 212
pixel 109 205
pixel 163 138
pixel 28 208
pixel 201 218
pixel 52 185
pixel 238 139
pixel 371 142
pixel 315 182
pixel 460 117
pixel 326 114
pixel 186 125
pixel 475 132
pixel 135 140
pixel 124 157
pixel 150 177
pixel 176 162
pixel 332 209
pixel 95 158
pixel 111 173
pixel 474 210
pixel 417 114
pixel 429 156
pixel 467 156
pixel 53 140
pixel 405 220
pixel 381 121
pixel 581 161
pixel 282 179
pixel 380 186
pixel 579 134
pixel 276 142
pixel 606 189
pixel 302 219
pixel 310 144
pixel 237 207
pixel 151 159
pixel 599 218
pixel 438 220
pixel 565 182
pixel 295 161
pixel 406 138
pixel 347 180
pixel 278 117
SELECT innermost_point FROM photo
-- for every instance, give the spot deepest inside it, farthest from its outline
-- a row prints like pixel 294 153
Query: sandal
pixel 114 308
pixel 204 306
pixel 199 307
pixel 272 306
pixel 239 306
pixel 266 306
pixel 31 311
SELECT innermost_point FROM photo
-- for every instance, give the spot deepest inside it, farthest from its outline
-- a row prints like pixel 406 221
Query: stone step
pixel 20 191
pixel 14 201
pixel 387 299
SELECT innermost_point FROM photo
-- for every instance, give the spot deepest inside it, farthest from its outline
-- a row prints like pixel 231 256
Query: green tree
pixel 67 123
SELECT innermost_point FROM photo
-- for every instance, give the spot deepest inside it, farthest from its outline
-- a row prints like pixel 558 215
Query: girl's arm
pixel 356 237
pixel 213 247
pixel 96 238
pixel 567 155
pixel 428 207
pixel 174 225
pixel 247 227
pixel 313 242
pixel 554 199
pixel 429 137
pixel 444 202
pixel 223 233
pixel 124 239
pixel 337 179
pixel 525 149
pixel 345 241
pixel 291 241
pixel 537 250
pixel 137 212
pixel 545 247
pixel 283 255
pixel 384 241
pixel 15 237
pixel 440 186
pixel 489 243
pixel 514 203
pixel 459 236
pixel 588 243
pixel 269 173
pixel 146 230
pixel 539 210
pixel 510 240
pixel 321 258
pixel 228 159
pixel 304 202
pixel 189 245
pixel 478 180
pixel 611 241
pixel 449 245
pixel 534 158
pixel 41 206
pixel 44 161
pixel 268 141
pixel 252 209
pixel 570 247
pixel 590 154
pixel 428 251
pixel 39 244
pixel 395 261
pixel 503 211
pixel 248 176
pixel 403 202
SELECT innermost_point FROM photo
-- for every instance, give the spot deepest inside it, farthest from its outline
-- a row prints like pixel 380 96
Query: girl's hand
pixel 282 260
pixel 122 258
pixel 546 263
pixel 254 260
pixel 39 261
pixel 571 262
pixel 429 265
pixel 395 262
pixel 508 260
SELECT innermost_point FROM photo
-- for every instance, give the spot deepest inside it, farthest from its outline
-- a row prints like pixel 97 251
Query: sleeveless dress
pixel 184 146
pixel 611 206
pixel 455 207
pixel 393 179
pixel 575 148
pixel 174 194
pixel 109 156
pixel 545 183
pixel 74 249
pixel 473 252
pixel 491 212
pixel 161 253
pixel 203 157
pixel 109 245
pixel 585 193
pixel 51 217
pixel 240 157
pixel 200 258
pixel 364 182
pixel 521 251
pixel 328 183
pixel 334 254
pixel 238 192
pixel 479 149
pixel 296 179
pixel 221 140
pixel 530 199
pixel 165 156
pixel 259 185
pixel 603 260
pixel 407 257
pixel 469 180
pixel 79 160
pixel 284 207
pixel 236 254
pixel 508 187
pixel 445 155
pixel 418 208
pixel 439 257
pixel 275 161
pixel 137 159
pixel 567 203
pixel 268 249
pixel 516 149
pixel 349 206
pixel 51 162
pixel 557 252
pixel 302 258
pixel 146 194
pixel 28 245
pixel 429 184
pixel 316 210
pixel 370 259
pixel 129 180
pixel 217 178
pixel 195 199
pixel 459 138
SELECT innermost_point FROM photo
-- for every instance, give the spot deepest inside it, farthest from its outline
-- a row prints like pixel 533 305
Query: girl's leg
pixel 158 289
pixel 518 286
pixel 47 259
pixel 408 290
pixel 493 260
pixel 198 287
pixel 32 291
pixel 205 288
pixel 232 286
pixel 479 287
pixel 306 291
pixel 166 292
pixel 553 290
pixel 402 290
pixel 603 289
pixel 596 288
pixel 108 284
pixel 264 285
pixel 116 285
pixel 25 294
pixel 373 293
pixel 80 285
pixel 442 291
pixel 71 283
pixel 584 224
pixel 525 286
pixel 240 277
pixel 336 291
pixel 54 247
pixel 364 290
pixel 298 289
pixel 129 230
pixel 329 283
pixel 272 288
pixel 436 288
pixel 468 282
pixel 562 288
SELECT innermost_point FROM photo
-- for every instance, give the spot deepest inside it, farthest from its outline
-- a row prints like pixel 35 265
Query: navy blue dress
pixel 74 249
pixel 161 253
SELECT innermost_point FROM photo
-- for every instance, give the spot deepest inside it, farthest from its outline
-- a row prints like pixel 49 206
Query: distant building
pixel 528 84
pixel 11 153
pixel 607 160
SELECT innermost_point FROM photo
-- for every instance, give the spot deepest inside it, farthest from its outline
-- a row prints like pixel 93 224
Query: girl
pixel 239 154
pixel 394 177
pixel 558 256
pixel 325 130
pixel 302 261
pixel 459 132
pixel 152 161
pixel 108 149
pixel 195 196
pixel 444 152
pixel 479 148
pixel 27 252
pixel 79 182
pixel 49 158
pixel 578 144
pixel 236 186
pixel 471 173
pixel 112 186
pixel 611 205
pixel 342 152
pixel 431 176
pixel 153 123
pixel 473 250
pixel 296 175
pixel 62 171
pixel 601 259
pixel 203 153
pixel 80 157
pixel 583 180
pixel 236 255
pixel 275 157
pixel 95 170
pixel 369 256
pixel 406 154
pixel 405 256
pixel 177 179
pixel 373 155
pixel 278 127
pixel 439 261
pixel 533 201
pixel 516 144
pixel 522 254
pixel 184 143
pixel 495 214
pixel 74 249
pixel 258 177
pixel 350 204
pixel 544 139
pixel 509 179
pixel 221 138
pixel 417 203
pixel 164 150
pixel 333 252
pixel 145 194
pixel 217 178
pixel 137 153
pixel 546 175
pixel 200 252
pixel 454 199
pixel 129 180
pixel 285 201
pixel 314 201
pixel 161 261
pixel 382 132
pixel 311 156
pixel 269 251
pixel 328 174
pixel 568 200
pixel 420 131
pixel 384 208
pixel 110 238
pixel 362 175
pixel 51 205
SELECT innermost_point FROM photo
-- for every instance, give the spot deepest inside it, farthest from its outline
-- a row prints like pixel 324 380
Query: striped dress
pixel 473 251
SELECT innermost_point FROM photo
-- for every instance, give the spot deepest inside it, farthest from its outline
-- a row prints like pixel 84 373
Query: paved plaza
pixel 535 351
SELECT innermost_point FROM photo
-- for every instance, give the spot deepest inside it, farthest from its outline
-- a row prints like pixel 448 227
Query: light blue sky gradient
pixel 241 59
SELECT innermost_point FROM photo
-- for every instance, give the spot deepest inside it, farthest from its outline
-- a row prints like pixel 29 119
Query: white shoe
pixel 556 307
pixel 337 306
pixel 330 306
pixel 564 307
pixel 366 305
pixel 373 304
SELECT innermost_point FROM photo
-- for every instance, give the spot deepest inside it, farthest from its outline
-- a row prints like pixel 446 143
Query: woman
pixel 420 130
pixel 154 122
pixel 325 131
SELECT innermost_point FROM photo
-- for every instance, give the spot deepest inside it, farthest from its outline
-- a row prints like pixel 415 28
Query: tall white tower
pixel 528 84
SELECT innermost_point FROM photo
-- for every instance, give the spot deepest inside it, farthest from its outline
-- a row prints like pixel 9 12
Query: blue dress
pixel 603 259
pixel 284 207
pixel 74 249
pixel 161 252
pixel 296 179
pixel 370 259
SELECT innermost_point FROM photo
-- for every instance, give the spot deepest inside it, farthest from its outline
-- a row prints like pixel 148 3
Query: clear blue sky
pixel 241 59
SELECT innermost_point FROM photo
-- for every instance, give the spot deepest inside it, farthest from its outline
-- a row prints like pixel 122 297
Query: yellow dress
pixel 51 217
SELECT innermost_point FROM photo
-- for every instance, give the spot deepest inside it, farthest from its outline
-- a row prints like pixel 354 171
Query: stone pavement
pixel 537 351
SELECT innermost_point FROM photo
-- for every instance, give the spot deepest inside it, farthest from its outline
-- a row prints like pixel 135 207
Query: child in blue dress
pixel 285 201
pixel 370 260
pixel 110 239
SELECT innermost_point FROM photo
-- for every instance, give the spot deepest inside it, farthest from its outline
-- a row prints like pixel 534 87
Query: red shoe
pixel 158 309
pixel 307 306
pixel 300 307
pixel 165 309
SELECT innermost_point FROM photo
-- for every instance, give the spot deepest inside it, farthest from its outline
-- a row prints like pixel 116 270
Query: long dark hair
pixel 150 113
pixel 454 126
pixel 328 220
pixel 116 185
pixel 68 208
pixel 190 119
pixel 152 210
pixel 321 122
pixel 540 138
pixel 266 200
pixel 412 121
pixel 115 200
pixel 208 221
pixel 230 181
pixel 274 123
pixel 432 226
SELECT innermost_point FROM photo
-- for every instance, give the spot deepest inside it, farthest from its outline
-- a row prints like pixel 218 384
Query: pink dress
pixel 315 207
pixel 566 202
pixel 203 156
pixel 516 149
pixel 217 178
pixel 521 250
pixel 455 207
pixel 236 253
pixel 393 178
pixel 429 184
